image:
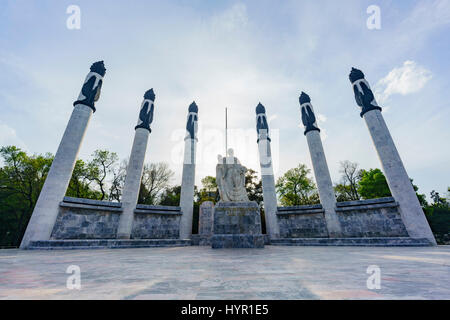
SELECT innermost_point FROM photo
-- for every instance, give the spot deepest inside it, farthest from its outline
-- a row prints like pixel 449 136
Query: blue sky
pixel 232 54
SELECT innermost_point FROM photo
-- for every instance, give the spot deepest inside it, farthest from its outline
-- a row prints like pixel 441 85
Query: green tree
pixel 347 189
pixel 253 185
pixel 421 197
pixel 295 187
pixel 100 167
pixel 118 180
pixel 209 192
pixel 438 201
pixel 171 196
pixel 373 184
pixel 21 181
pixel 79 185
pixel 155 179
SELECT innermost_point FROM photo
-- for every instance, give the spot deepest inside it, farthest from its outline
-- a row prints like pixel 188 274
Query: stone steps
pixel 106 244
pixel 367 242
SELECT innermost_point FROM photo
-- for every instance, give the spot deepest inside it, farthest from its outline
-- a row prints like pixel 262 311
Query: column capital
pixel 363 94
pixel 90 92
pixel 308 116
pixel 191 123
pixel 262 126
pixel 146 113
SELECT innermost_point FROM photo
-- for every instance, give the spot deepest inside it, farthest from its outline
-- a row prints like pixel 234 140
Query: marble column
pixel 135 166
pixel 188 178
pixel 320 166
pixel 47 206
pixel 397 178
pixel 267 177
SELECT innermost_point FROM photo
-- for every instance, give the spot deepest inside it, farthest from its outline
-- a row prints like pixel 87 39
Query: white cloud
pixel 409 78
pixel 8 137
pixel 232 19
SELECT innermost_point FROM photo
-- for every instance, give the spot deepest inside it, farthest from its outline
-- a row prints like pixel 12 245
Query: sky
pixel 232 54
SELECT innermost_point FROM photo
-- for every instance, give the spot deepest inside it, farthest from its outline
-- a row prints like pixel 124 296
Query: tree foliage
pixel 347 189
pixel 156 178
pixel 101 178
pixel 253 185
pixel 171 196
pixel 21 181
pixel 296 188
pixel 100 167
pixel 209 192
pixel 373 184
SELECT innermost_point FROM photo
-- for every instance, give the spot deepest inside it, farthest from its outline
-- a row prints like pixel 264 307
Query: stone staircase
pixel 106 244
pixel 363 242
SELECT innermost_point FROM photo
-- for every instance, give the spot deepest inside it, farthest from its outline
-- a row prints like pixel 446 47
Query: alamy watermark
pixel 73 22
pixel 374 280
pixel 374 20
pixel 74 280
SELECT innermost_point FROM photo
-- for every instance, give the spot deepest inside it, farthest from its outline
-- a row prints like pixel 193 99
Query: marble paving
pixel 274 272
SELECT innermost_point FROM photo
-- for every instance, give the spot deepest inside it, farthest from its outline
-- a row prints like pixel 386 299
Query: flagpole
pixel 226 132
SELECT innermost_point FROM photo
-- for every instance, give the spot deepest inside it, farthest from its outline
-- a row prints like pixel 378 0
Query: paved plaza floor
pixel 274 272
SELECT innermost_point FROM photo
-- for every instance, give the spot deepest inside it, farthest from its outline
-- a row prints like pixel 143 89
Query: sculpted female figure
pixel 230 178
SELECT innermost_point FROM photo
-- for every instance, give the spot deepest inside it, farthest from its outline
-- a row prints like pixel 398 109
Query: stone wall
pixel 371 218
pixel 86 219
pixel 156 222
pixel 302 222
pixel 93 219
pixel 365 218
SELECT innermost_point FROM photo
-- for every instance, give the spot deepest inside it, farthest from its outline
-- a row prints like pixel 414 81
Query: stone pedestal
pixel 205 223
pixel 237 225
pixel 206 217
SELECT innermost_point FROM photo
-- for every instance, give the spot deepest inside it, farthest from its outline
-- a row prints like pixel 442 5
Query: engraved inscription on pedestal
pixel 237 225
pixel 237 221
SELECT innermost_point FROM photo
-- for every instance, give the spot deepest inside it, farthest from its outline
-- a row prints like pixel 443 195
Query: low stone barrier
pixel 156 222
pixel 93 219
pixel 364 218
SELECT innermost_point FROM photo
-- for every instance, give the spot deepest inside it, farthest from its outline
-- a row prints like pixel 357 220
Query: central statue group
pixel 230 178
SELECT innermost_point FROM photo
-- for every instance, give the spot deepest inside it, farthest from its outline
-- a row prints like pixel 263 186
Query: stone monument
pixel 267 177
pixel 319 162
pixel 47 206
pixel 237 221
pixel 135 166
pixel 397 178
pixel 205 222
pixel 188 178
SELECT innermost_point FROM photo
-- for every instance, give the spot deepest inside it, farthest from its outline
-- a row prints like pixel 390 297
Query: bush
pixel 439 220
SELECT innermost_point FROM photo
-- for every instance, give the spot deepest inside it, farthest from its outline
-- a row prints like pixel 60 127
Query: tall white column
pixel 135 166
pixel 46 209
pixel 320 166
pixel 397 178
pixel 188 178
pixel 267 177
